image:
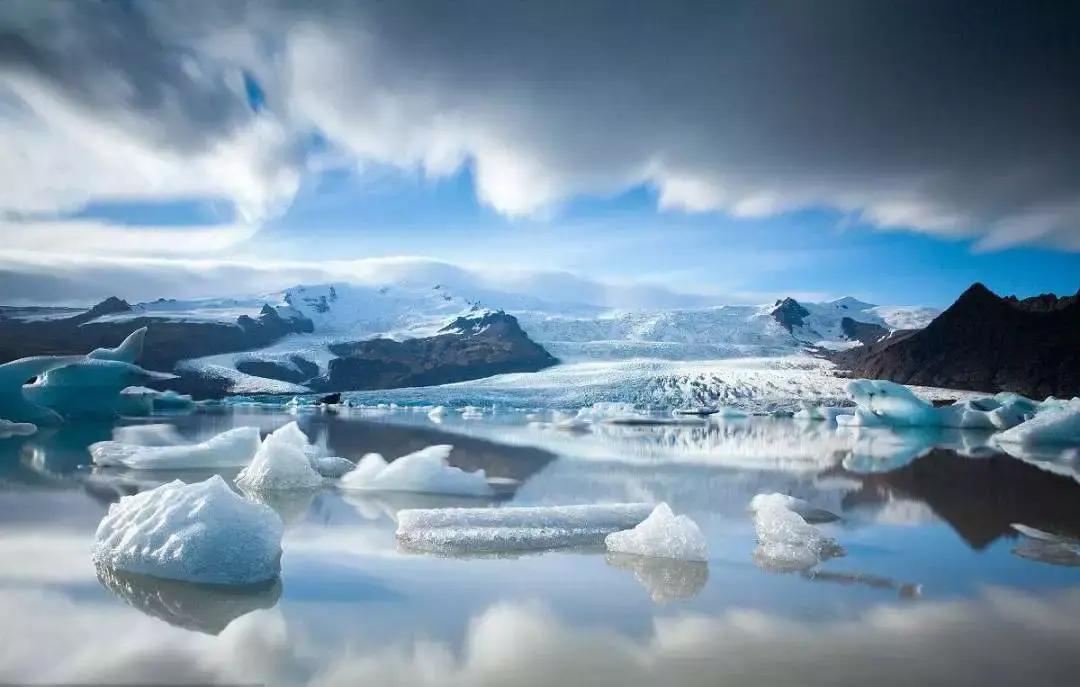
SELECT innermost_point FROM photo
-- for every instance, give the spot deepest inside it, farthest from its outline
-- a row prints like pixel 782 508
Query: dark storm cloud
pixel 956 118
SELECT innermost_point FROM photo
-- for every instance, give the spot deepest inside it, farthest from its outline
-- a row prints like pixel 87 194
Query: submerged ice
pixel 202 532
pixel 425 471
pixel 662 535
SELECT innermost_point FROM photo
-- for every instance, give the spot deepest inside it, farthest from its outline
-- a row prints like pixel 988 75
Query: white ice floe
pixel 202 532
pixel 804 509
pixel 160 400
pixel 129 350
pixel 1057 427
pixel 662 535
pixel 487 530
pixel 283 461
pixel 425 471
pixel 787 542
pixel 230 449
pixel 882 403
pixel 8 428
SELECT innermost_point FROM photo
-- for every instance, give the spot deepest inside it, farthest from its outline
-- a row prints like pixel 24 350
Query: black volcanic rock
pixel 866 332
pixel 298 370
pixel 470 347
pixel 789 313
pixel 984 343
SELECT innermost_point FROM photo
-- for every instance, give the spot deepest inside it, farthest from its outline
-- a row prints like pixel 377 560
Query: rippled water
pixel 935 586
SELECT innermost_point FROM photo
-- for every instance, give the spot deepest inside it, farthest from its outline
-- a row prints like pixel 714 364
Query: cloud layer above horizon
pixel 952 118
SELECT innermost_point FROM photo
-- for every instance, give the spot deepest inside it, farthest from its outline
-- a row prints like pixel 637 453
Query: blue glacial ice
pixel 234 448
pixel 1054 427
pixel 202 532
pixel 662 535
pixel 129 350
pixel 425 471
pixel 14 405
pixel 91 388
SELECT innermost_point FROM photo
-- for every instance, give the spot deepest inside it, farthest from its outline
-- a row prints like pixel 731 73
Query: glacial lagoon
pixel 954 561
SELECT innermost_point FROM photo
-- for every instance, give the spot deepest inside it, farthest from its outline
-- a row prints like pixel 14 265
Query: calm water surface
pixel 935 587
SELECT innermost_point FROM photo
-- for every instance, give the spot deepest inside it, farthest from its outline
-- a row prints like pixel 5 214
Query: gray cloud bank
pixel 955 118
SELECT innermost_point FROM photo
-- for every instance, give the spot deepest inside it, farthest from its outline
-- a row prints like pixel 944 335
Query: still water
pixel 935 587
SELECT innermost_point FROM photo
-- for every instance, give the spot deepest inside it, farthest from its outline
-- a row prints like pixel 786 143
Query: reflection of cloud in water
pixel 665 579
pixel 1005 638
pixel 203 608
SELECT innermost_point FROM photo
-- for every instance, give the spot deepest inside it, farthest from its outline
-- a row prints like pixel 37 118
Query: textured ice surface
pixel 1049 427
pixel 662 535
pixel 467 531
pixel 202 532
pixel 129 350
pixel 787 542
pixel 8 428
pixel 283 461
pixel 881 403
pixel 426 471
pixel 14 405
pixel 332 466
pixel 804 509
pixel 89 387
pixel 233 448
pixel 894 404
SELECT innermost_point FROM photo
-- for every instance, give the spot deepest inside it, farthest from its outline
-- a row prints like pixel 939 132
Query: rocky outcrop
pixel 470 347
pixel 295 370
pixel 984 343
pixel 789 314
pixel 865 332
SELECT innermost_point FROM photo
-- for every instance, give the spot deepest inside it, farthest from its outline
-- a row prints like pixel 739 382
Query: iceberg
pixel 230 449
pixel 202 532
pixel 786 542
pixel 893 404
pixel 472 531
pixel 1059 427
pixel 159 400
pixel 283 461
pixel 14 404
pixel 803 509
pixel 813 413
pixel 8 428
pixel 89 387
pixel 882 403
pixel 662 535
pixel 129 350
pixel 425 471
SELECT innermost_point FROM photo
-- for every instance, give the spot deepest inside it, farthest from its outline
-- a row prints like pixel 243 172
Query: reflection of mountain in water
pixel 203 608
pixel 665 579
pixel 981 497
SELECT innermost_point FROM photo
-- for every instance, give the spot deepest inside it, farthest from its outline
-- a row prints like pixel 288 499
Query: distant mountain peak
pixel 789 313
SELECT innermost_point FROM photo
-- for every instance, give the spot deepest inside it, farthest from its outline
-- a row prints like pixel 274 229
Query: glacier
pixel 425 471
pixel 662 535
pixel 202 532
pixel 282 461
pixel 233 448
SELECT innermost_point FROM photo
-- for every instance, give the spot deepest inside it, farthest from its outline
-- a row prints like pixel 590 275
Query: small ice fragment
pixel 804 509
pixel 233 448
pixel 787 542
pixel 662 535
pixel 202 532
pixel 425 471
pixel 281 463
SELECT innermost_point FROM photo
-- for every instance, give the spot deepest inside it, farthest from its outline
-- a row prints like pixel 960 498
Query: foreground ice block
pixel 662 535
pixel 15 406
pixel 230 449
pixel 804 509
pixel 202 532
pixel 786 542
pixel 1048 428
pixel 282 462
pixel 425 471
pixel 466 531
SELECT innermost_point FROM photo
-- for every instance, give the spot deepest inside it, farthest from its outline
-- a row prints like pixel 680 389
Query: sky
pixel 682 154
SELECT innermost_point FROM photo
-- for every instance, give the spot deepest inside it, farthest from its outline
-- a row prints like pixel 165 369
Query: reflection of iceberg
pixel 665 579
pixel 16 429
pixel 290 504
pixel 906 590
pixel 1047 547
pixel 198 607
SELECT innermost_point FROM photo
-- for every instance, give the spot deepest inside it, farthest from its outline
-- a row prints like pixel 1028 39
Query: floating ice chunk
pixel 89 387
pixel 786 542
pixel 230 449
pixel 281 463
pixel 160 400
pixel 605 517
pixel 332 466
pixel 804 509
pixel 437 412
pixel 14 404
pixel 860 418
pixel 199 607
pixel 812 413
pixel 1048 428
pixel 426 471
pixel 202 532
pixel 662 535
pixel 472 414
pixel 728 413
pixel 158 434
pixel 8 428
pixel 893 404
pixel 129 350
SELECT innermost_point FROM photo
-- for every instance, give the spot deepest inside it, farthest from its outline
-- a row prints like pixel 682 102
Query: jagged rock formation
pixel 866 332
pixel 984 343
pixel 470 347
pixel 789 314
